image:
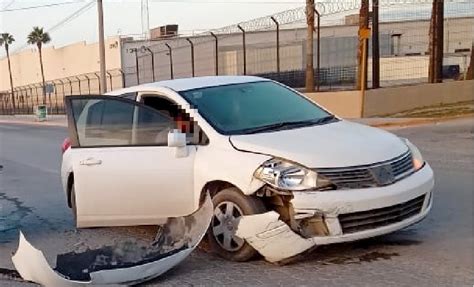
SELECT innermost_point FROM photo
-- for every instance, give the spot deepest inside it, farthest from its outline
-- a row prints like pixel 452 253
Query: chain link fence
pixel 275 47
pixel 26 98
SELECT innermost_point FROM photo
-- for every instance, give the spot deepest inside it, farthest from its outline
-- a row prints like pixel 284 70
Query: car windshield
pixel 255 107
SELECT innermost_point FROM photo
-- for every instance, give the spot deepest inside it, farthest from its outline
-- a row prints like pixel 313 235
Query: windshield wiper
pixel 265 128
pixel 282 125
pixel 324 120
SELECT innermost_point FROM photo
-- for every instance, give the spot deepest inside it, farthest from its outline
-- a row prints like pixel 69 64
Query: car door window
pixel 109 121
pixel 184 122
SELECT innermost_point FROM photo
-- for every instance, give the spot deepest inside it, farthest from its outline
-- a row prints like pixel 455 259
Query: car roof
pixel 185 84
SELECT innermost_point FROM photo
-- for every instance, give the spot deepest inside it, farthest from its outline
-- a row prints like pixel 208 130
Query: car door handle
pixel 90 161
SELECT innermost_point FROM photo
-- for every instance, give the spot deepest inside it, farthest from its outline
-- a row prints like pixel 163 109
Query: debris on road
pixel 123 263
pixel 271 237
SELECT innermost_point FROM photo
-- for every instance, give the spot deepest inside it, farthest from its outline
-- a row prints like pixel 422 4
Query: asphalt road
pixel 436 252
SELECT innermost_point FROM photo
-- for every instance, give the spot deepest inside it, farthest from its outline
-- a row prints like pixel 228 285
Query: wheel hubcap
pixel 224 225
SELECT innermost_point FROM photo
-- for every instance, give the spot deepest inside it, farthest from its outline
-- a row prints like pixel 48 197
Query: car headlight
pixel 282 174
pixel 417 158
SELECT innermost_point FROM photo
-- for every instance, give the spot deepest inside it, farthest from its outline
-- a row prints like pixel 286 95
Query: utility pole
pixel 470 69
pixel 364 35
pixel 431 44
pixel 318 50
pixel 361 54
pixel 439 40
pixel 309 46
pixel 145 19
pixel 103 79
pixel 375 45
pixel 436 44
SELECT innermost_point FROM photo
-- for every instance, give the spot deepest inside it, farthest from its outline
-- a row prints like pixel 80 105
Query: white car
pixel 145 153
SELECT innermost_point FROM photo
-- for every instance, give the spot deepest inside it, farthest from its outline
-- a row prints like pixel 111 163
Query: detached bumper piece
pixel 177 239
pixel 271 237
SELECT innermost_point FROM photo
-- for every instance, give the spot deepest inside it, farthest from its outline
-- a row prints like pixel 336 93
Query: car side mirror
pixel 177 139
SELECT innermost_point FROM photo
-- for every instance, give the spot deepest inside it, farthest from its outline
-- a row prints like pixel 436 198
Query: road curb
pixel 417 122
pixel 33 123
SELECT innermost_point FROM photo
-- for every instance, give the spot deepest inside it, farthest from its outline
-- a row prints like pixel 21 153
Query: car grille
pixel 363 220
pixel 373 175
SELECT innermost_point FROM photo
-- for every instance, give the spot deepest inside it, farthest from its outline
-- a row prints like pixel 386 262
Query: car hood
pixel 337 144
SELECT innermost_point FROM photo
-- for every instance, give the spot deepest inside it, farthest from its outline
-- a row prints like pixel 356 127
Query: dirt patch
pixel 367 257
pixel 439 111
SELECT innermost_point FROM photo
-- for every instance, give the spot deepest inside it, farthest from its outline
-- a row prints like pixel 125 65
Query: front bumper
pixel 332 204
pixel 373 212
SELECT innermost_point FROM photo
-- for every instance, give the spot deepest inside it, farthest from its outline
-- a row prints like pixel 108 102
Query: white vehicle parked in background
pixel 145 153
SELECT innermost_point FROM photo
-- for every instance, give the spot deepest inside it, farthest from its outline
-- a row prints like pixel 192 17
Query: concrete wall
pixel 67 61
pixel 388 101
pixel 346 104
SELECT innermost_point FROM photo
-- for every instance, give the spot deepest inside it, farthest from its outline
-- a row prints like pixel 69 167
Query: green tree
pixel 6 40
pixel 38 37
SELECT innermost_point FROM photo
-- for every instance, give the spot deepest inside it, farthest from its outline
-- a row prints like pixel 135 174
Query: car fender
pixel 66 169
pixel 217 162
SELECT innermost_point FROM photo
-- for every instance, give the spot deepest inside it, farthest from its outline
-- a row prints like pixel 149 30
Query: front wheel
pixel 229 205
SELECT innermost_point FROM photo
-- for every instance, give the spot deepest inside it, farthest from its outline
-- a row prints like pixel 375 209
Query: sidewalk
pixel 389 122
pixel 405 122
pixel 52 120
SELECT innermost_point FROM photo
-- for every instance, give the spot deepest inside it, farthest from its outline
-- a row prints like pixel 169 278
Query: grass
pixel 439 111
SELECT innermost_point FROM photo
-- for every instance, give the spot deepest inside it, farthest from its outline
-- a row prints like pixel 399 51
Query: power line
pixel 35 7
pixel 71 17
pixel 8 4
pixel 63 22
pixel 227 2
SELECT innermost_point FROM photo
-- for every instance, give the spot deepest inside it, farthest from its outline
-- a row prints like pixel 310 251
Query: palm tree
pixel 38 37
pixel 6 40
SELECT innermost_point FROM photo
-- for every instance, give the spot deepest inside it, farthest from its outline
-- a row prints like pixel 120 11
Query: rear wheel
pixel 73 203
pixel 229 205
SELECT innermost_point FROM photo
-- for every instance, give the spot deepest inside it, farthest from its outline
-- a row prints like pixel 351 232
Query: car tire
pixel 234 249
pixel 73 203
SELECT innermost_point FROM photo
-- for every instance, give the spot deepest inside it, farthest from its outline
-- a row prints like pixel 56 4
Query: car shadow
pixel 367 250
pixel 203 261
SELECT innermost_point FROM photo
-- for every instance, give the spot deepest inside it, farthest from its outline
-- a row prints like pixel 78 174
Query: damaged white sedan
pixel 284 174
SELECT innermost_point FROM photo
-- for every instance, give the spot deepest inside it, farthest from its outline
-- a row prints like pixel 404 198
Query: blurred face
pixel 183 124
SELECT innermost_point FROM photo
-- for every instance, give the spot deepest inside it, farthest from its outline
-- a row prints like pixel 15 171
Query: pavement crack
pixel 12 211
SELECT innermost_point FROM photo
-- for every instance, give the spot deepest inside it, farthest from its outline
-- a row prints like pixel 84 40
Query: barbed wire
pixel 264 23
pixel 287 17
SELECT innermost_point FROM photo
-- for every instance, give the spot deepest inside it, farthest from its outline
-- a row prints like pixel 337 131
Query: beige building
pixel 68 61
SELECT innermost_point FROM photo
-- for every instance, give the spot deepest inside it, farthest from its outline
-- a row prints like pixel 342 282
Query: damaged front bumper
pixel 175 241
pixel 326 217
